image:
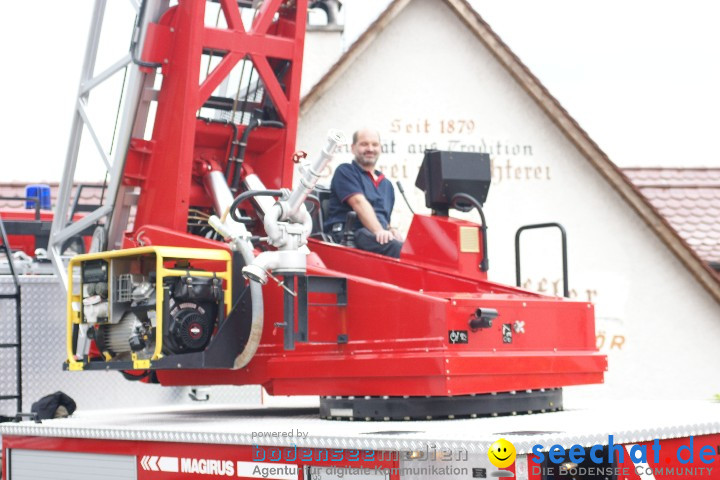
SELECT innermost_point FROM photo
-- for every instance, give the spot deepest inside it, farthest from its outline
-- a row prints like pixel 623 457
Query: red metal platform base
pixel 405 330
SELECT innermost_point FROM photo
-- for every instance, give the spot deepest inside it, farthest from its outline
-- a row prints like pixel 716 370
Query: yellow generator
pixel 149 307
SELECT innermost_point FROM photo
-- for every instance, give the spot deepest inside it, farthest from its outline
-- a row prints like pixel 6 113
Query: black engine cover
pixel 190 327
pixel 192 314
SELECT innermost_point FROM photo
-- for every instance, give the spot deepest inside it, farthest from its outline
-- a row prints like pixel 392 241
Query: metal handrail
pixel 455 203
pixel 566 290
pixel 26 199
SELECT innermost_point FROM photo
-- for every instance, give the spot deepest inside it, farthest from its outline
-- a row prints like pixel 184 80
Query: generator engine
pixel 132 304
pixel 193 305
pixel 133 313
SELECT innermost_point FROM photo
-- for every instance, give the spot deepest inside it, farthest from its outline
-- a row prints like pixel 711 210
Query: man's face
pixel 366 149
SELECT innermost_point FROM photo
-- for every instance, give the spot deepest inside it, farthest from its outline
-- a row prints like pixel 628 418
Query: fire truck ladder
pixel 137 98
pixel 137 93
pixel 5 247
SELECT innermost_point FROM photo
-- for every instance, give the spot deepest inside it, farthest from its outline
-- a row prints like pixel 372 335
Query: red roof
pixel 689 199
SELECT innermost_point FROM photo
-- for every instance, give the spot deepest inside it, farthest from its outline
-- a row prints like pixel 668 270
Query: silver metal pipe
pixel 253 182
pixel 311 175
pixel 276 235
pixel 217 187
pixel 276 261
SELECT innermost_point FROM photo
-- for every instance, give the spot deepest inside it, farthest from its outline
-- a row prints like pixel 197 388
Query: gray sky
pixel 640 76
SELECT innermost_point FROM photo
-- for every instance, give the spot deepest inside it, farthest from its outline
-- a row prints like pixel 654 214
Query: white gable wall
pixel 323 47
pixel 425 69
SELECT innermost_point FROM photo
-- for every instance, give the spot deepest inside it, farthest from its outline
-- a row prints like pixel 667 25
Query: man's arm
pixel 366 214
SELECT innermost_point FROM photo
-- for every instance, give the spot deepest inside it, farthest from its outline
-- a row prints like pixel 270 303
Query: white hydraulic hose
pixel 257 317
pixel 216 184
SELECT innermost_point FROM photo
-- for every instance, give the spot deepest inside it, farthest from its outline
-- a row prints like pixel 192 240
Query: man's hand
pixel 383 236
pixel 396 234
pixel 369 220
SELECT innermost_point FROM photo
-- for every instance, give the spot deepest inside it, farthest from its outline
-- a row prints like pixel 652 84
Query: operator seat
pixel 318 203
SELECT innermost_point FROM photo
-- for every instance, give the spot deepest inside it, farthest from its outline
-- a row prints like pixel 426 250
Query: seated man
pixel 358 186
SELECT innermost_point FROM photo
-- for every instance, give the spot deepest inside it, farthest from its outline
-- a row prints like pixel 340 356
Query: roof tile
pixel 689 199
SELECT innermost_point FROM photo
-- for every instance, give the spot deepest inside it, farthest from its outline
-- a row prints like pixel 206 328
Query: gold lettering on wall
pixel 405 140
pixel 555 288
pixel 605 343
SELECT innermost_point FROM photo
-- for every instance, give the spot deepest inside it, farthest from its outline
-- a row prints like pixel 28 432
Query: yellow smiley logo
pixel 502 453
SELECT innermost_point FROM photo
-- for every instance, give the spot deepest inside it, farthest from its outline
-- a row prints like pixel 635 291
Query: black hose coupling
pixel 482 319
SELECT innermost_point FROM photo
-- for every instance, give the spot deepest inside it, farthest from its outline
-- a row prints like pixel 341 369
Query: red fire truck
pixel 209 269
pixel 612 441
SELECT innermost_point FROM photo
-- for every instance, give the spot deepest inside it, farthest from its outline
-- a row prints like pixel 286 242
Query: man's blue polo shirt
pixel 350 179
